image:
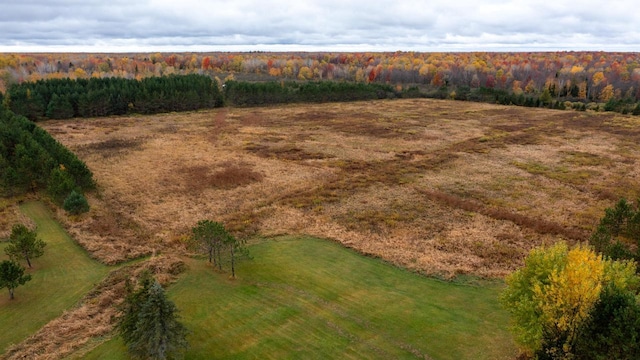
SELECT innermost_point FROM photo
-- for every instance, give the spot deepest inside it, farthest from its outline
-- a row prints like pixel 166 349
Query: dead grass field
pixel 441 187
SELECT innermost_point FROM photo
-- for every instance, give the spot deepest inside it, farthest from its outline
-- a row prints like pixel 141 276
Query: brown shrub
pixel 289 152
pixel 227 175
pixel 113 147
pixel 539 225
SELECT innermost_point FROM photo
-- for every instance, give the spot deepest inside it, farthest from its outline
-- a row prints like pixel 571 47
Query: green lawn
pixel 304 298
pixel 60 278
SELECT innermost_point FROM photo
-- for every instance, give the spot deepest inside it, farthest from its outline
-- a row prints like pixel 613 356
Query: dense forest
pixel 32 160
pixel 66 98
pixel 571 76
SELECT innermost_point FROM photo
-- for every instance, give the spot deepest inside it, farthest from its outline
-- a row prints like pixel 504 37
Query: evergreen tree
pixel 613 328
pixel 24 243
pixel 618 230
pixel 132 303
pixel 157 334
pixel 11 276
pixel 75 203
pixel 210 237
pixel 60 184
pixel 59 108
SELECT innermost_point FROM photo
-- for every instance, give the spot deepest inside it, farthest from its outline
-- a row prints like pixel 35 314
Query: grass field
pixel 61 277
pixel 440 187
pixel 305 298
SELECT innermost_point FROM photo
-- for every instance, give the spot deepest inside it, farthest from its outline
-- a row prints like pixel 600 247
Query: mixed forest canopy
pixel 568 76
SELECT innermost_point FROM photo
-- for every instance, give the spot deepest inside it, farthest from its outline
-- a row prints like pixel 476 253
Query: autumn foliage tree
pixel 553 297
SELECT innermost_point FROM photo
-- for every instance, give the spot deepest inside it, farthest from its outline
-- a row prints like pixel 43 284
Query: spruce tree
pixel 158 334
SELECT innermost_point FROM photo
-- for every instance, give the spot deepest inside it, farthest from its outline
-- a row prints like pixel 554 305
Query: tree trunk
pixel 233 268
pixel 10 293
pixel 28 261
pixel 210 254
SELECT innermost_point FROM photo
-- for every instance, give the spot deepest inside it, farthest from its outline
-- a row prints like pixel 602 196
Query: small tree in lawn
pixel 210 237
pixel 11 276
pixel 158 334
pixel 236 248
pixel 23 243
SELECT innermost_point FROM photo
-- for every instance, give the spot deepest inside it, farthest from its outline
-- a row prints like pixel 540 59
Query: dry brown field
pixel 440 187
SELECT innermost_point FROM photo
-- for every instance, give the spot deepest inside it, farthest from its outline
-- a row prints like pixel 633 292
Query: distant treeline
pixel 66 98
pixel 273 92
pixel 503 97
pixel 31 160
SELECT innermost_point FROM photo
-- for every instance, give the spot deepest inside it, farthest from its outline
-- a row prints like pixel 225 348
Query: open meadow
pixel 440 187
pixel 453 190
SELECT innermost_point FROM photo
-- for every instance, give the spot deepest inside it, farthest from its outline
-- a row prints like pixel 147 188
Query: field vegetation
pixel 442 188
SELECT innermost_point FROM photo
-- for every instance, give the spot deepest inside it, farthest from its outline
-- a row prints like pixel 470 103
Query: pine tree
pixel 60 184
pixel 75 203
pixel 24 243
pixel 11 276
pixel 158 334
pixel 59 108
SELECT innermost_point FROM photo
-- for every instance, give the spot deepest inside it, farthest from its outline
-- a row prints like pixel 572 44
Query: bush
pixel 75 203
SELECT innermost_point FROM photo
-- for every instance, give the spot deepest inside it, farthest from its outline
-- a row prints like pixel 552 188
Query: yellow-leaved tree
pixel 552 297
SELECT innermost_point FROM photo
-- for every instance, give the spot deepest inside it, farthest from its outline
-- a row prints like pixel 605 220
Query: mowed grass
pixel 59 280
pixel 305 298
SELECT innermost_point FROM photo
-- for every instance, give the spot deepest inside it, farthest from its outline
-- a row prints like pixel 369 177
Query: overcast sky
pixel 328 25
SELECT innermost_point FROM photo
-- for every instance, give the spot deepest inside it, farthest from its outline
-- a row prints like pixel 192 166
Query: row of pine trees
pixel 67 98
pixel 32 160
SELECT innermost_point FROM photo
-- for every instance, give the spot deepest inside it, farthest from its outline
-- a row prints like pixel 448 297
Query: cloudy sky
pixel 329 25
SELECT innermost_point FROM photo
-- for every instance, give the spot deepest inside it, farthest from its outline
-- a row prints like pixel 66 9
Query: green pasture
pixel 305 298
pixel 61 277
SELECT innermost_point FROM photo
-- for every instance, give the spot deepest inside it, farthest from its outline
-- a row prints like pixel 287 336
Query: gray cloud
pixel 437 25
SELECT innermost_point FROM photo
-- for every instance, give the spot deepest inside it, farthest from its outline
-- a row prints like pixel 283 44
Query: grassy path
pixel 304 298
pixel 60 278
